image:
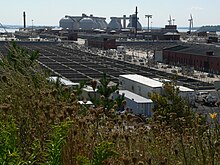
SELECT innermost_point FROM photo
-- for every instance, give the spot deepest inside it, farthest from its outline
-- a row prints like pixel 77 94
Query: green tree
pixel 171 107
pixel 104 91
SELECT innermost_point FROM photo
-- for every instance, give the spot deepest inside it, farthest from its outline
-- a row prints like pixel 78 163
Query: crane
pixel 3 28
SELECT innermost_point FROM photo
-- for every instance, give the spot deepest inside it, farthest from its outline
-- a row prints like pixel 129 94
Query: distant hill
pixel 209 28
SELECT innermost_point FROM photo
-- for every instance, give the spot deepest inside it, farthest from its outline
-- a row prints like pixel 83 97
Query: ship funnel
pixel 24 17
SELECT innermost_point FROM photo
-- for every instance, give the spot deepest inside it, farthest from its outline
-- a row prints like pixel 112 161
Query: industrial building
pixel 91 23
pixel 120 23
pixel 135 103
pixel 142 86
pixel 102 42
pixel 200 57
pixel 83 23
pixel 170 32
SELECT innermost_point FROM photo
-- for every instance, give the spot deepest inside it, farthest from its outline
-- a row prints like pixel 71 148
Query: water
pixel 10 30
pixel 183 30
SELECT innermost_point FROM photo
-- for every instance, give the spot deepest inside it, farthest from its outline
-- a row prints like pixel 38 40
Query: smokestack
pixel 124 21
pixel 136 19
pixel 24 17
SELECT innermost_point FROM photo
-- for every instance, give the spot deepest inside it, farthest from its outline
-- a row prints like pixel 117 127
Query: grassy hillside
pixel 42 123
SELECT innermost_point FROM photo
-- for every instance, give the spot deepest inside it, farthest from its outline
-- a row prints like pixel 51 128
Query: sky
pixel 49 12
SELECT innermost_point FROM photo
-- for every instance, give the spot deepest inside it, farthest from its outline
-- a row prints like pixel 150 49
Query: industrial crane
pixel 8 34
pixel 3 28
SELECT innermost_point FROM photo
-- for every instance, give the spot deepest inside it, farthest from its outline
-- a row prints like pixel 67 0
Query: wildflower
pixel 140 163
pixel 213 115
pixel 5 107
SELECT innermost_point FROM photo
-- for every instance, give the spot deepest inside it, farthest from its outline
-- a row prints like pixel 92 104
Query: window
pixel 139 89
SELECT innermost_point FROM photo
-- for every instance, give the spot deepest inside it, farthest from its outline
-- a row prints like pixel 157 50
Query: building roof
pixel 88 89
pixel 85 102
pixel 185 89
pixel 143 80
pixel 196 49
pixel 63 81
pixel 134 97
pixel 171 34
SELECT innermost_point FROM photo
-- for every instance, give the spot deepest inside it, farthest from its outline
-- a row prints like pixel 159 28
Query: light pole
pixel 148 21
pixel 32 26
pixel 151 25
pixel 173 21
pixel 148 30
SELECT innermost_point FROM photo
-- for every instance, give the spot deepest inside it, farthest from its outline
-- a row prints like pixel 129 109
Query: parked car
pixel 210 75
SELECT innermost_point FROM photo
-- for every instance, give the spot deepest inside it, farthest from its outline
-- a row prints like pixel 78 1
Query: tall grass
pixel 41 123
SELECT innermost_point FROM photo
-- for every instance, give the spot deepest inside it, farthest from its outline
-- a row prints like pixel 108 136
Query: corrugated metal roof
pixel 143 80
pixel 135 97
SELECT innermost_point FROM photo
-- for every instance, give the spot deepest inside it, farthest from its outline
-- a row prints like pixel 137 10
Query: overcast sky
pixel 49 12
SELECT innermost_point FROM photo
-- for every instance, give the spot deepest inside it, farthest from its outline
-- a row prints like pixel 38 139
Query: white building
pixel 63 81
pixel 143 86
pixel 136 103
pixel 86 103
pixel 88 92
pixel 140 85
pixel 187 94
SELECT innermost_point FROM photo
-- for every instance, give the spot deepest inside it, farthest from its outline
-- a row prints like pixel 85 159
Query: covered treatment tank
pixel 102 24
pixel 88 24
pixel 132 21
pixel 69 23
pixel 114 24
